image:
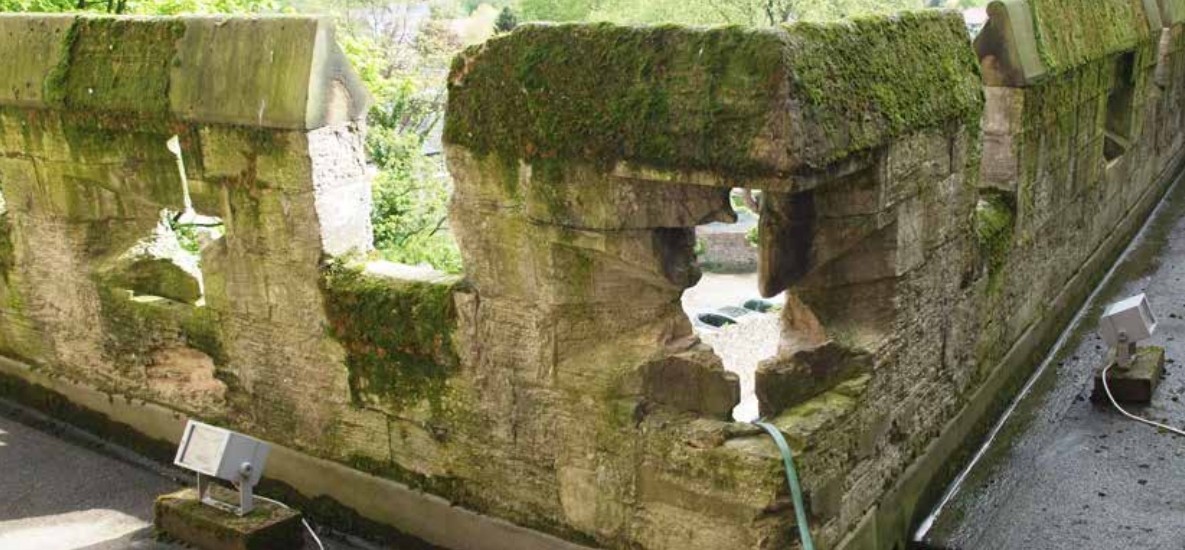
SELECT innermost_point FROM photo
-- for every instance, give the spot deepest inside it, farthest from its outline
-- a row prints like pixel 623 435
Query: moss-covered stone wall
pixel 87 109
pixel 1073 32
pixel 1172 12
pixel 559 386
pixel 92 76
pixel 864 82
pixel 1073 160
pixel 577 269
pixel 398 336
pixel 711 100
pixel 285 68
pixel 919 235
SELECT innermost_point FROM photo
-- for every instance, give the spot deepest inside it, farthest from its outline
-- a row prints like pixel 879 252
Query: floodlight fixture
pixel 211 451
pixel 1126 323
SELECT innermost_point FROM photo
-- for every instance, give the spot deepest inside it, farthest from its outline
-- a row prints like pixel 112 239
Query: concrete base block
pixel 269 527
pixel 1137 383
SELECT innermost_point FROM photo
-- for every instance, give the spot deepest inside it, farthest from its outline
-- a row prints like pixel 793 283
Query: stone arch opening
pixel 725 306
pixel 166 262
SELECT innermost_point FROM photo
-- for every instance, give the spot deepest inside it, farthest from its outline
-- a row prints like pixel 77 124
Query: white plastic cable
pixel 1107 388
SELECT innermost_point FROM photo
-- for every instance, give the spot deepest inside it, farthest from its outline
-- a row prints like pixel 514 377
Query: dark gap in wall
pixel 1119 108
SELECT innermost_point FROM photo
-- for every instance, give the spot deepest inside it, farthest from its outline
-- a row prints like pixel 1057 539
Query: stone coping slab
pixel 1026 41
pixel 283 72
pixel 672 103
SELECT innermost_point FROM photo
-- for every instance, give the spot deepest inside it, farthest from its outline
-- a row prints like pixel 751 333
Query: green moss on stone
pixel 865 80
pixel 186 503
pixel 116 64
pixel 56 82
pixel 135 328
pixel 1072 32
pixel 202 330
pixel 995 221
pixel 159 277
pixel 7 257
pixel 61 408
pixel 1172 12
pixel 452 488
pixel 711 99
pixel 398 335
pixel 665 96
pixel 331 513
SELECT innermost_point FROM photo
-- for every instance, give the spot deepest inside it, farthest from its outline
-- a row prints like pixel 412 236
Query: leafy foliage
pixel 707 12
pixel 142 7
pixel 506 21
pixel 412 188
pixel 558 10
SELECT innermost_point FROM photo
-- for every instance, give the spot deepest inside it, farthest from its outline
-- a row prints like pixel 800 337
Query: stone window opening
pixel 725 306
pixel 409 211
pixel 195 233
pixel 1118 125
pixel 166 264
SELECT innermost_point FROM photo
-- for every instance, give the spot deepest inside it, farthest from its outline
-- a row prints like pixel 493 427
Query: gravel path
pixel 742 346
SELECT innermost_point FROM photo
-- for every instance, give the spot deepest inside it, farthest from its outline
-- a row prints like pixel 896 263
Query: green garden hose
pixel 804 528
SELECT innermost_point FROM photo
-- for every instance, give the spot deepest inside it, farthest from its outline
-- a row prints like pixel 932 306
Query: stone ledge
pixel 796 99
pixel 182 516
pixel 267 71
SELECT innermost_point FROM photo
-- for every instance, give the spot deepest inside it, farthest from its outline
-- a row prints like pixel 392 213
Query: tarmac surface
pixel 64 489
pixel 1066 473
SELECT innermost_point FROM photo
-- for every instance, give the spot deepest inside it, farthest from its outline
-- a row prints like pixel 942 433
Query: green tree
pixel 507 21
pixel 558 10
pixel 759 13
pixel 468 6
pixel 142 7
pixel 412 188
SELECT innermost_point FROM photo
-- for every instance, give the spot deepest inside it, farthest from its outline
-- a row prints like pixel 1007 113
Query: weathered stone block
pixel 297 76
pixel 290 73
pixel 159 277
pixel 132 78
pixel 1135 384
pixel 578 195
pixel 669 120
pixel 182 516
pixel 158 266
pixel 343 190
pixel 693 381
pixel 36 42
pixel 397 335
pixel 785 382
pixel 509 256
pixel 785 236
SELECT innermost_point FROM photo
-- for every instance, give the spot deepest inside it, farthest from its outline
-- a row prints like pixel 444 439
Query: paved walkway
pixel 60 489
pixel 1069 474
